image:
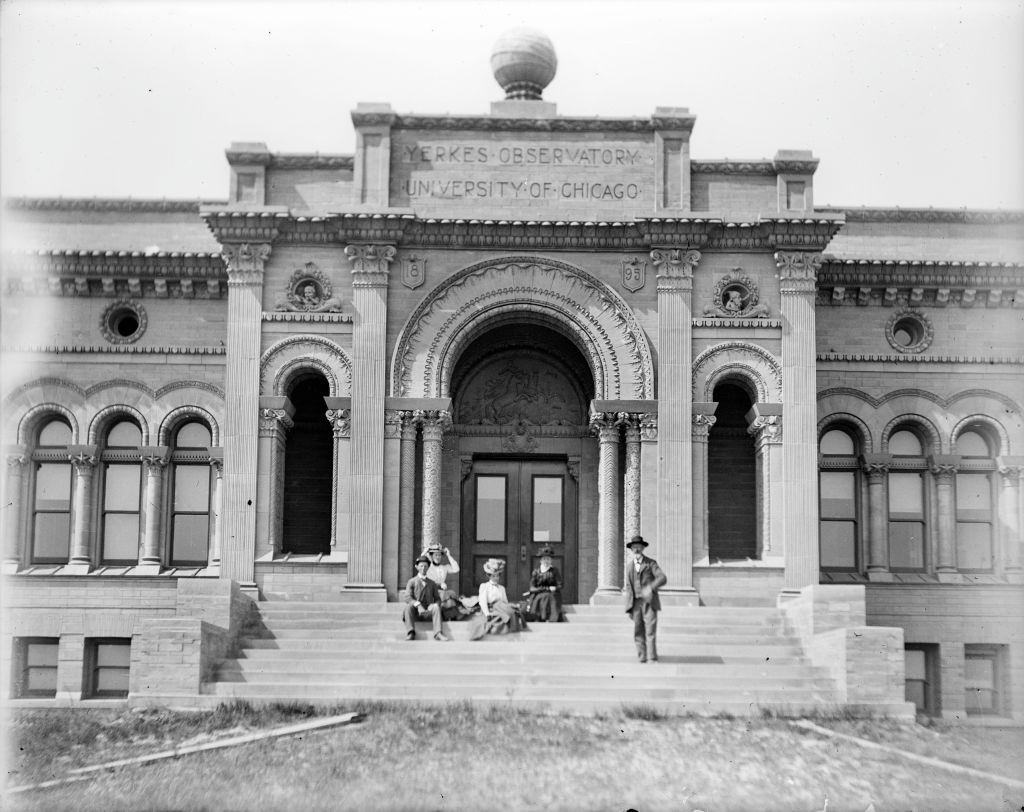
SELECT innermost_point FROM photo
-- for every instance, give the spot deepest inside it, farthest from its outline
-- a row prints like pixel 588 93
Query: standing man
pixel 643 579
pixel 421 601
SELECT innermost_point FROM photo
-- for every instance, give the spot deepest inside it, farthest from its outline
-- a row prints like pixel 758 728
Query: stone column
pixel 407 493
pixel 765 426
pixel 1010 471
pixel 14 511
pixel 798 283
pixel 876 469
pixel 217 503
pixel 631 489
pixel 944 470
pixel 674 539
pixel 703 419
pixel 154 463
pixel 83 459
pixel 392 503
pixel 341 425
pixel 245 263
pixel 609 539
pixel 433 424
pixel 370 265
pixel 648 476
pixel 274 427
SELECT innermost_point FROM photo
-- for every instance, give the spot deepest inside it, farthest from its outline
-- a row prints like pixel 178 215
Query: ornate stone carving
pixel 702 424
pixel 120 313
pixel 520 439
pixel 943 469
pixel 601 323
pixel 573 466
pixel 736 296
pixel 309 290
pixel 370 264
pixel 467 467
pixel 527 391
pixel 16 459
pixel 675 267
pixel 875 470
pixel 274 422
pixel 341 422
pixel 295 352
pixel 766 429
pixel 634 274
pixel 649 427
pixel 245 262
pixel 752 361
pixel 915 325
pixel 414 271
pixel 797 270
pixel 84 462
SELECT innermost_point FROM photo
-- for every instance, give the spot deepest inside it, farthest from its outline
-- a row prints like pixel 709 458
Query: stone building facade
pixel 497 332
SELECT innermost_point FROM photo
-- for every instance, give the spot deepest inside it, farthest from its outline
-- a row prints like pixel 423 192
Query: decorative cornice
pixel 112 348
pixel 895 214
pixel 499 124
pixel 231 225
pixel 108 204
pixel 743 323
pixel 310 160
pixel 763 166
pixel 988 360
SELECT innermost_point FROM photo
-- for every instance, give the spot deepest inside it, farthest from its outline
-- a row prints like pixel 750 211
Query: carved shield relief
pixel 414 272
pixel 634 274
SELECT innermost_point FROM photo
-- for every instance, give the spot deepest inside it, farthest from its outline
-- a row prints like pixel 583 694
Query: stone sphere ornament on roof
pixel 523 61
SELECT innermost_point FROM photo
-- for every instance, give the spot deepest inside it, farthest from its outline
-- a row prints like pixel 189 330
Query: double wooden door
pixel 511 508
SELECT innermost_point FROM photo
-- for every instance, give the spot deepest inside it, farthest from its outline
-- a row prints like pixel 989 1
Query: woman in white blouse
pixel 497 615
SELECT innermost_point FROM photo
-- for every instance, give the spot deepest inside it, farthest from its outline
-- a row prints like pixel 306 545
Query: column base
pixel 949 577
pixel 370 593
pixel 881 577
pixel 77 568
pixel 249 589
pixel 606 596
pixel 679 596
pixel 148 568
pixel 9 567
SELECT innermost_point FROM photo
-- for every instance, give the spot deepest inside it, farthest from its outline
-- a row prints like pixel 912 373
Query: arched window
pixel 907 503
pixel 975 500
pixel 732 478
pixel 838 489
pixel 190 496
pixel 306 525
pixel 51 494
pixel 122 490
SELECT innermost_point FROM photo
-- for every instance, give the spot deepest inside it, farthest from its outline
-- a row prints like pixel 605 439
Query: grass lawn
pixel 465 757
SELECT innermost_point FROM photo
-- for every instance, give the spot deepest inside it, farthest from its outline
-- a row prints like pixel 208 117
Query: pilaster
pixel 275 422
pixel 1010 471
pixel 407 492
pixel 154 464
pixel 876 469
pixel 675 267
pixel 392 572
pixel 83 460
pixel 764 424
pixel 14 508
pixel 245 262
pixel 944 468
pixel 703 419
pixel 370 264
pixel 217 503
pixel 797 280
pixel 339 415
pixel 648 426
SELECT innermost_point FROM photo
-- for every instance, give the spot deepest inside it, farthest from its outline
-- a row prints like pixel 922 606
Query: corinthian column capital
pixel 674 267
pixel 798 270
pixel 245 262
pixel 370 264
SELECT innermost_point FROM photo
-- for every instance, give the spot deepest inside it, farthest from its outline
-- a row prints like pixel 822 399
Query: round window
pixel 908 331
pixel 123 322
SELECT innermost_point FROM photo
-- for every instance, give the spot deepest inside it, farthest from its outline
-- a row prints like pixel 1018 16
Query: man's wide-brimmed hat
pixel 421 557
pixel 546 550
pixel 494 565
pixel 638 539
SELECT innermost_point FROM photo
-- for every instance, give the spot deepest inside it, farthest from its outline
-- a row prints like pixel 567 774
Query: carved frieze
pixel 736 296
pixel 527 390
pixel 309 290
pixel 520 439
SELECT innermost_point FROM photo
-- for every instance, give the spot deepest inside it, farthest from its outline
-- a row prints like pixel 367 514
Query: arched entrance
pixel 732 478
pixel 521 392
pixel 307 470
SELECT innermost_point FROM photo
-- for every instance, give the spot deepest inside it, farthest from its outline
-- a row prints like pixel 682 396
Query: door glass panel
pixel 547 508
pixel 490 508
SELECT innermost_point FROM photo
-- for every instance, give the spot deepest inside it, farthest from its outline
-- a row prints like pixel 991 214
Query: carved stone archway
pixel 738 359
pixel 294 354
pixel 588 311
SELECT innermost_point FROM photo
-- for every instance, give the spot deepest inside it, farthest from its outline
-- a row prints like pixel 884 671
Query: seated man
pixel 422 601
pixel 441 564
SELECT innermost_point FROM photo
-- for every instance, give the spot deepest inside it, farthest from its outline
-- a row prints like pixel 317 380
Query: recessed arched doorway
pixel 521 395
pixel 306 527
pixel 732 477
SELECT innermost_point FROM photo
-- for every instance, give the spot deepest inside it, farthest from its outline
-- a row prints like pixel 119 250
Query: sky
pixel 906 102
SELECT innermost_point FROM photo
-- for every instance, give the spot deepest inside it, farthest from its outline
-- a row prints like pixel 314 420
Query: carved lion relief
pixel 736 297
pixel 309 291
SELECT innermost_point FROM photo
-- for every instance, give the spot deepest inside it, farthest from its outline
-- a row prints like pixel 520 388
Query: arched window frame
pixel 188 461
pixel 56 459
pixel 972 521
pixel 901 522
pixel 114 500
pixel 845 471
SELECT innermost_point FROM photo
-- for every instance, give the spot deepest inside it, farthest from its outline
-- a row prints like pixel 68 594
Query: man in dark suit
pixel 643 579
pixel 422 601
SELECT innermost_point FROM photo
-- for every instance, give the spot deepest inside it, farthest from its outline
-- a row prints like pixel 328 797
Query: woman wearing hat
pixel 497 615
pixel 546 589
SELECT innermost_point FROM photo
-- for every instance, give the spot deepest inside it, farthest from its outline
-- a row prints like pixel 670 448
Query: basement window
pixel 35 672
pixel 107 661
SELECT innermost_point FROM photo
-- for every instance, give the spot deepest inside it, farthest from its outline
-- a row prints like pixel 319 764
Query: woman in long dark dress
pixel 546 590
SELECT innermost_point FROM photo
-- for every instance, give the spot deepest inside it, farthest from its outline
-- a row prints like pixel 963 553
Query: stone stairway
pixel 736 660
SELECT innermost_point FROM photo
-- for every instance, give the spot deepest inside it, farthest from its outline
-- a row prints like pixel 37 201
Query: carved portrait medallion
pixel 736 297
pixel 309 291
